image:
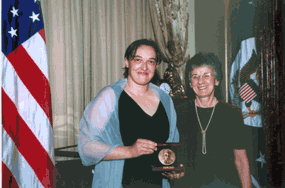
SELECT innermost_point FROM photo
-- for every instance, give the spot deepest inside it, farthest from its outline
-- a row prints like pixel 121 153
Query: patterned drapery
pixel 170 25
pixel 270 45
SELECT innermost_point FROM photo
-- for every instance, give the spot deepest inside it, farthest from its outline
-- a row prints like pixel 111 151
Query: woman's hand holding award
pixel 167 158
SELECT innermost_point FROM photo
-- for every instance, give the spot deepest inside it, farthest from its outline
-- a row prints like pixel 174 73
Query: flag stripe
pixel 8 180
pixel 244 91
pixel 27 107
pixel 36 49
pixel 16 163
pixel 247 93
pixel 244 88
pixel 36 83
pixel 22 136
pixel 250 95
pixel 42 33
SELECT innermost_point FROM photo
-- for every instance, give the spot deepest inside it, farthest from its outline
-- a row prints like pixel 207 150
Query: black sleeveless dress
pixel 134 124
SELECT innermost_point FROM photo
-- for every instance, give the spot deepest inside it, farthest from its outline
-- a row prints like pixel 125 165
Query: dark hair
pixel 202 59
pixel 132 50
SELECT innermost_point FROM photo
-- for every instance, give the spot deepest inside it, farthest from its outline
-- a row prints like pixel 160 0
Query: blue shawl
pixel 100 133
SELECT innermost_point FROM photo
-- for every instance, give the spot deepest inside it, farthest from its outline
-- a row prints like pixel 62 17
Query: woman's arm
pixel 95 140
pixel 140 147
pixel 120 152
pixel 242 165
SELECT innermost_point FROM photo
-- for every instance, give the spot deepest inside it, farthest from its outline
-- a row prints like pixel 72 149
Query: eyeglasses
pixel 196 76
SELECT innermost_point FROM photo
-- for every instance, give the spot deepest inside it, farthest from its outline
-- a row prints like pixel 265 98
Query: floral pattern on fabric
pixel 170 22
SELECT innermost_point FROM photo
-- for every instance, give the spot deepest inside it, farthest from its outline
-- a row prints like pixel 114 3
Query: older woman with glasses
pixel 213 136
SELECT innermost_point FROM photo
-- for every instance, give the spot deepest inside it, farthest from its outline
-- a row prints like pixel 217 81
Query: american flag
pixel 27 135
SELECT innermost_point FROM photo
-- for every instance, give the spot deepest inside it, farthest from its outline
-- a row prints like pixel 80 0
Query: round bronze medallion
pixel 166 156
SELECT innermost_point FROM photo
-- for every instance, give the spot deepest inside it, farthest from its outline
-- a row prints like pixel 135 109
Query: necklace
pixel 204 151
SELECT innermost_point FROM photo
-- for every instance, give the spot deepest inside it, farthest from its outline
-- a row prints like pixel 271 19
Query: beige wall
pixel 210 30
pixel 191 29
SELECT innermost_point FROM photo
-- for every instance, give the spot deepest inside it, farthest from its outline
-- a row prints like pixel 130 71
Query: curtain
pixel 170 21
pixel 86 42
pixel 271 51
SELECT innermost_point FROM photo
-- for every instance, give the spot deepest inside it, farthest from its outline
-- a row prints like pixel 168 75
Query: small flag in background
pixel 247 93
pixel 27 136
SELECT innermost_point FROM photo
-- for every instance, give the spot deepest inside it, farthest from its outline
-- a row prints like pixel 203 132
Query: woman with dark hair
pixel 122 125
pixel 213 138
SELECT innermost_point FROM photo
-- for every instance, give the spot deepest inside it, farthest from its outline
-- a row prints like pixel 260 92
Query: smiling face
pixel 203 81
pixel 142 66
